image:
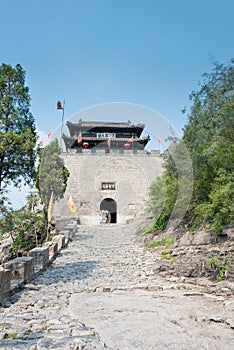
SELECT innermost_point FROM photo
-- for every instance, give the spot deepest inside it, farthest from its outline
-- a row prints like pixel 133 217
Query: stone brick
pixel 72 229
pixel 5 278
pixel 66 233
pixel 53 249
pixel 22 268
pixel 60 240
pixel 40 257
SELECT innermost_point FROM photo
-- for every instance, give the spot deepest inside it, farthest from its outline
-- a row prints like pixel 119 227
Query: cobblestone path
pixel 101 292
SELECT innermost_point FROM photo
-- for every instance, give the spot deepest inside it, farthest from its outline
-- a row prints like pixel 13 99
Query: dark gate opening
pixel 110 205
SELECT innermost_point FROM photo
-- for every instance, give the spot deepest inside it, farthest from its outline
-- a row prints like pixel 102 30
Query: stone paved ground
pixel 101 292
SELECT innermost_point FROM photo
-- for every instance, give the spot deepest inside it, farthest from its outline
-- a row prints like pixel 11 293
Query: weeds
pixel 164 241
pixel 212 262
pixel 166 256
pixel 220 266
pixel 10 336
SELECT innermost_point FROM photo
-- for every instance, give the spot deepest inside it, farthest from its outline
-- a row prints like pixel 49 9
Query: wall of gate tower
pixel 130 173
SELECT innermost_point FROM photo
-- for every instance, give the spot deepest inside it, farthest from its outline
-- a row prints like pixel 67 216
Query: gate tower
pixel 109 170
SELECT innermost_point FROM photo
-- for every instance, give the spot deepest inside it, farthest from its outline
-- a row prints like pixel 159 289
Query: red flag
pixel 79 138
pixel 41 143
pixel 49 134
pixel 159 141
pixel 59 105
pixel 131 139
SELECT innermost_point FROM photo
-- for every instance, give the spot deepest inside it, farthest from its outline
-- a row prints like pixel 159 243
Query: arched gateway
pixel 110 205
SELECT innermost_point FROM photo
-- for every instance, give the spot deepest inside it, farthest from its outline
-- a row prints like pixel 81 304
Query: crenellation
pixel 53 249
pixel 40 256
pixel 5 286
pixel 60 240
pixel 21 268
pixel 19 271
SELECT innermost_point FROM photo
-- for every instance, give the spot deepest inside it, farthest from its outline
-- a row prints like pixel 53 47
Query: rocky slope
pixel 202 254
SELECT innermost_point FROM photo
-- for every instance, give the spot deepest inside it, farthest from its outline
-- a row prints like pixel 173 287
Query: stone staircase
pixel 105 291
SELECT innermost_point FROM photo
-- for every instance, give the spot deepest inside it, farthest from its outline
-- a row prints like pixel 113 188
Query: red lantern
pixel 85 145
pixel 127 146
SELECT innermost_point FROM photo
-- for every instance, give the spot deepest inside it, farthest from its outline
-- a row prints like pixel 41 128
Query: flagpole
pixel 62 125
pixel 61 107
pixel 159 142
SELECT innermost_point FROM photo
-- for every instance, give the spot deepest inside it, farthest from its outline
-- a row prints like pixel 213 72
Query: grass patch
pixel 219 266
pixel 221 273
pixel 149 229
pixel 153 244
pixel 10 336
pixel 165 241
pixel 212 262
pixel 166 256
pixel 168 241
pixel 160 223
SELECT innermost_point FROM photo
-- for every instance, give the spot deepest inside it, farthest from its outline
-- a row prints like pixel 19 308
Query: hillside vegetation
pixel 209 139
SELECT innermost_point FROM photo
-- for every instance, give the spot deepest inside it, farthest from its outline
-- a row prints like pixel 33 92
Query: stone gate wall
pixel 131 173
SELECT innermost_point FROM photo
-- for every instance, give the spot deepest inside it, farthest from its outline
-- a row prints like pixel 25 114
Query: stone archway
pixel 110 205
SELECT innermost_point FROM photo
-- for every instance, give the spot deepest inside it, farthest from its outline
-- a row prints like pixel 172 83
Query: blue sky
pixel 89 52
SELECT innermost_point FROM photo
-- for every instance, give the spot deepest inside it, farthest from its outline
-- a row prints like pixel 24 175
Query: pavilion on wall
pixel 107 136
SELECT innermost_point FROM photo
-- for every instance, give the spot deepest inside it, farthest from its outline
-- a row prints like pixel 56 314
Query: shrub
pixel 26 228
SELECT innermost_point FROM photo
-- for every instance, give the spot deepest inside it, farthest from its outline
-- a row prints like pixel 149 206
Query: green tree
pixel 26 228
pixel 52 174
pixel 209 140
pixel 162 197
pixel 209 132
pixel 17 129
pixel 170 194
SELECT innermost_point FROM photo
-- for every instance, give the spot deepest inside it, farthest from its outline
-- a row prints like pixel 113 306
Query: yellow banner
pixel 72 205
